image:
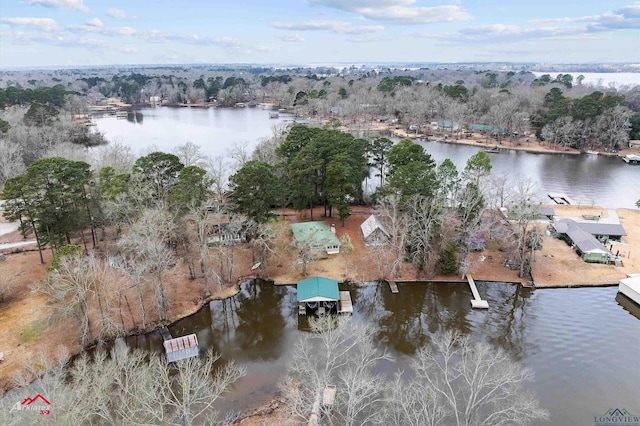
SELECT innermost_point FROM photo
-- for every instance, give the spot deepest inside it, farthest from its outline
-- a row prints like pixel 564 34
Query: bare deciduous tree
pixel 455 382
pixel 195 389
pixel 523 209
pixel 125 387
pixel 71 287
pixel 389 211
pixel 149 239
pixel 341 353
pixel 190 154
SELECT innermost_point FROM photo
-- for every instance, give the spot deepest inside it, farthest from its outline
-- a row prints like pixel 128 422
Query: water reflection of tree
pixel 407 320
pixel 505 327
pixel 260 323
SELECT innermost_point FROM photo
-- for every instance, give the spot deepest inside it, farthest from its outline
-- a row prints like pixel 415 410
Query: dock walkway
pixel 476 302
pixel 560 198
pixel 166 335
pixel 345 306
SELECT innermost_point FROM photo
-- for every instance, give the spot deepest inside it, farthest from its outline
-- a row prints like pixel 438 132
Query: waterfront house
pixel 374 232
pixel 588 247
pixel 317 236
pixel 601 231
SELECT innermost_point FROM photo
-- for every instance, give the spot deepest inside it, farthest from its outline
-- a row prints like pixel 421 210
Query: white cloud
pixel 40 24
pixel 398 11
pixel 61 4
pixel 627 17
pixel 292 38
pixel 320 25
pixel 364 29
pixel 500 32
pixel 117 13
pixel 120 31
pixel 336 27
pixel 416 15
pixel 352 5
pixel 95 22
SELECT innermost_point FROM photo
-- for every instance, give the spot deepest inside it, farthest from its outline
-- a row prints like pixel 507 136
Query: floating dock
pixel 560 198
pixel 393 286
pixel 476 302
pixel 630 287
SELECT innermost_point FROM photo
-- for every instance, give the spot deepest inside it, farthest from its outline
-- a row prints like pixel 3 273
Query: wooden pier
pixel 393 286
pixel 560 198
pixel 166 335
pixel 345 306
pixel 476 302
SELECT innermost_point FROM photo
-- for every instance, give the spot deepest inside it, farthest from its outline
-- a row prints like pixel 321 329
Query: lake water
pixel 215 130
pixel 583 343
pixel 606 181
pixel 605 79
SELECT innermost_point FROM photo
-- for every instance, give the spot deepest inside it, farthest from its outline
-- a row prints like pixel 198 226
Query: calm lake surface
pixel 583 343
pixel 587 179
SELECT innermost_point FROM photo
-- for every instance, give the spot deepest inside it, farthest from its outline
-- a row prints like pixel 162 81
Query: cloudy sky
pixel 96 32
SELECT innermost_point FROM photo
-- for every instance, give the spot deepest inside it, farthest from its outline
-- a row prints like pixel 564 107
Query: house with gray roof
pixel 586 244
pixel 374 232
pixel 588 247
pixel 600 230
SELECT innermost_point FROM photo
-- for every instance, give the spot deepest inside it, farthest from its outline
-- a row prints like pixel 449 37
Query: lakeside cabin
pixel 317 235
pixel 321 296
pixel 374 232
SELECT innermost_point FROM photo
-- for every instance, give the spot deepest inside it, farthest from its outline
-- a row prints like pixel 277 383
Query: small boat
pixel 494 150
pixel 592 152
pixel 274 115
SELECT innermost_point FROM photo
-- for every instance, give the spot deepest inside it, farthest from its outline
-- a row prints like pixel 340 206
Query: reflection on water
pixel 583 346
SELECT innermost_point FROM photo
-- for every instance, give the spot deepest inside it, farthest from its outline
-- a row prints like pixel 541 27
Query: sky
pixel 50 33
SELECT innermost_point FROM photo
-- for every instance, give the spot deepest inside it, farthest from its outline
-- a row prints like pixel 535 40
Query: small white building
pixel 374 232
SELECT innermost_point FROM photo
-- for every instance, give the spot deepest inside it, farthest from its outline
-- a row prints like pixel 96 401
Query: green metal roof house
pixel 318 289
pixel 317 235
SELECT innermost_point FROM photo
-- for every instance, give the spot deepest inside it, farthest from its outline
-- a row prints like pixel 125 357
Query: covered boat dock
pixel 321 295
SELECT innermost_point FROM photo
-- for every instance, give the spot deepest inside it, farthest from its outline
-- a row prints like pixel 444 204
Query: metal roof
pixel 594 228
pixel 586 242
pixel 318 289
pixel 547 211
pixel 314 232
pixel 371 224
